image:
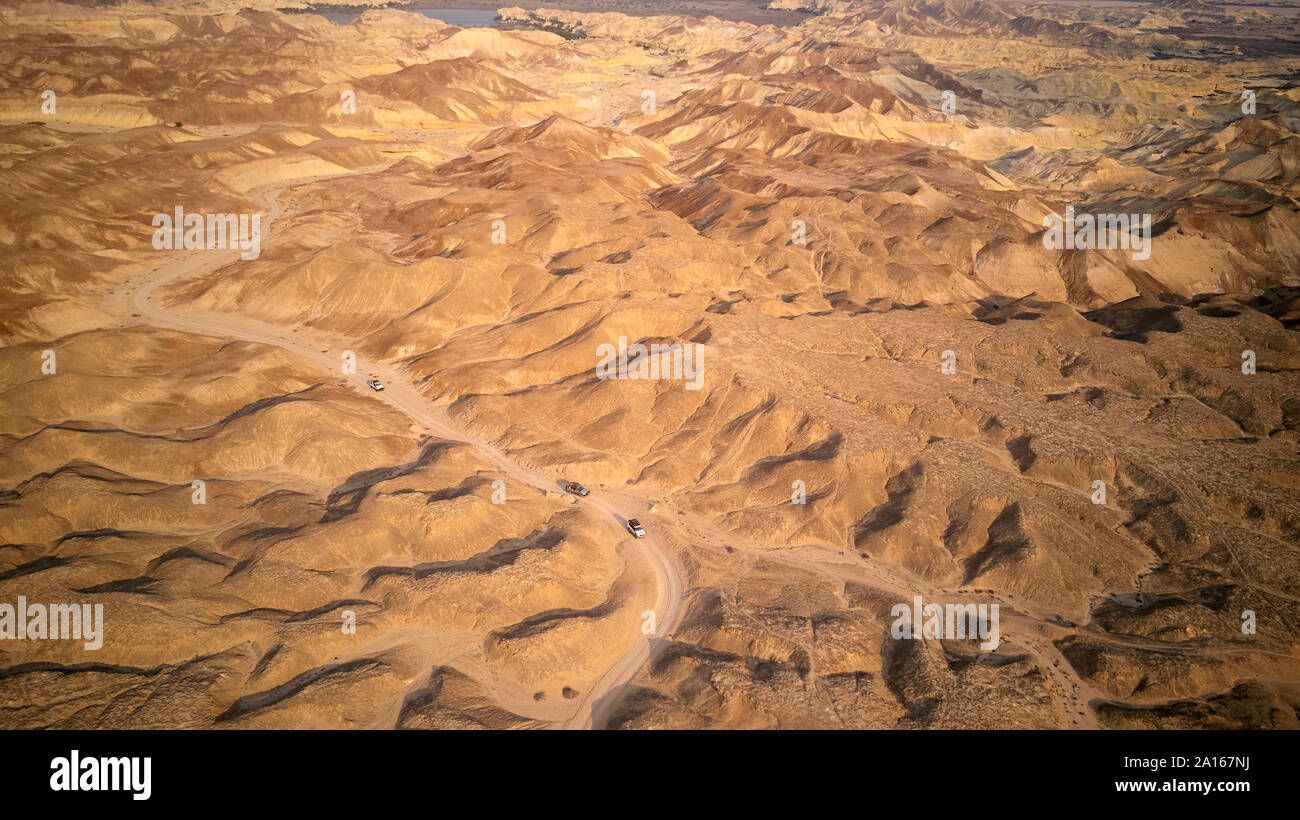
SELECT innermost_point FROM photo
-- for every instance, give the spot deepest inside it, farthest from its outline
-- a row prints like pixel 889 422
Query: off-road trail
pixel 136 298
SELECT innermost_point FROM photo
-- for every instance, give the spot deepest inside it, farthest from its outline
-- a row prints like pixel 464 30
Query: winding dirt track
pixel 596 704
pixel 136 297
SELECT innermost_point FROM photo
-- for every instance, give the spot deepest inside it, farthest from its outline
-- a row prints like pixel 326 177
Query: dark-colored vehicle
pixel 634 527
pixel 577 489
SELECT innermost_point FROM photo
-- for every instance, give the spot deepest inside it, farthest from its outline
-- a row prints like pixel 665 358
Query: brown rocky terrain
pixel 830 213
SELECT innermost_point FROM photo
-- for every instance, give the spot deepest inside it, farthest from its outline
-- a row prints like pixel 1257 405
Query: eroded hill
pixel 902 390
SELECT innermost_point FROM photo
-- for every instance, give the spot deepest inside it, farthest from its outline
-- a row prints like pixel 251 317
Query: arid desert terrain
pixel 895 370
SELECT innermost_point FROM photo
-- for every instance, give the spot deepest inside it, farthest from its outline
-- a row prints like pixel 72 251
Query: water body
pixel 466 18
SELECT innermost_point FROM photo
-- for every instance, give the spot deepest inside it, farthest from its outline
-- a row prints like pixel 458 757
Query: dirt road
pixel 136 297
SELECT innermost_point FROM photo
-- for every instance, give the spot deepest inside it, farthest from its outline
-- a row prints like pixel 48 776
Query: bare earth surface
pixel 502 202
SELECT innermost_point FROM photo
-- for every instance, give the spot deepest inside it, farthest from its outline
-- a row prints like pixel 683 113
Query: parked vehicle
pixel 375 384
pixel 634 527
pixel 576 489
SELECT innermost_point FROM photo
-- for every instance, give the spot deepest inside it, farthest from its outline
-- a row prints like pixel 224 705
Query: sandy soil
pixel 795 203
